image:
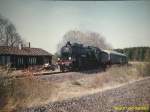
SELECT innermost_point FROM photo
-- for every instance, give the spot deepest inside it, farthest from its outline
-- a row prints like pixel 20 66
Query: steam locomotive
pixel 78 57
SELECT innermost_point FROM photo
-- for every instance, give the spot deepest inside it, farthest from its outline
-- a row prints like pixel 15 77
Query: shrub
pixel 146 69
pixel 23 92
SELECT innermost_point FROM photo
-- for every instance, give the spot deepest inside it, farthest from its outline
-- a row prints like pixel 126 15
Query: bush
pixel 146 69
pixel 5 87
pixel 23 92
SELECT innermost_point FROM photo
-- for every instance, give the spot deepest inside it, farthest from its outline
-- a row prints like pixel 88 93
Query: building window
pixel 8 60
pixel 32 60
pixel 29 61
pixel 3 60
pixel 0 60
pixel 20 60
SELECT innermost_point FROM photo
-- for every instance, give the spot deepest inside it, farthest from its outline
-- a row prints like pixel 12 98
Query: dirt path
pixel 129 95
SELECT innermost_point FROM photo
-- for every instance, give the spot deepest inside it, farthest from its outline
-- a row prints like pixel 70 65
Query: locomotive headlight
pixel 69 58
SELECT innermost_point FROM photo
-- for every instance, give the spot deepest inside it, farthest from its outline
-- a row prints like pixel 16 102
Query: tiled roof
pixel 23 51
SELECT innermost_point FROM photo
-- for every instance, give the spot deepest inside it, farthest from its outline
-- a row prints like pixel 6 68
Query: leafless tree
pixel 8 33
pixel 86 38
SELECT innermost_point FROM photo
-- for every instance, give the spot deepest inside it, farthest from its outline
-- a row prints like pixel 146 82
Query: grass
pixel 31 91
pixel 114 76
pixel 23 92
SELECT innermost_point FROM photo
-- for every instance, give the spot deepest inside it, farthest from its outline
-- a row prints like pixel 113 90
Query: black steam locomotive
pixel 78 57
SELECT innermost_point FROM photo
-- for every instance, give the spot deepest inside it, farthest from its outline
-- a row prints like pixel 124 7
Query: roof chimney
pixel 20 46
pixel 29 44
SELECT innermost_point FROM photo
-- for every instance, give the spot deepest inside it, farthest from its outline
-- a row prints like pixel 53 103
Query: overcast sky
pixel 44 22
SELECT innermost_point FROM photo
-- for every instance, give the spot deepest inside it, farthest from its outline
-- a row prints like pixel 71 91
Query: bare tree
pixel 8 33
pixel 86 38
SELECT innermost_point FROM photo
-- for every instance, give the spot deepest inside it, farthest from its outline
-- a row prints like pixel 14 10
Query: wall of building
pixel 18 61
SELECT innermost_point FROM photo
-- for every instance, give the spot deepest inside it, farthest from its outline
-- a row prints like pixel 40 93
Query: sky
pixel 43 22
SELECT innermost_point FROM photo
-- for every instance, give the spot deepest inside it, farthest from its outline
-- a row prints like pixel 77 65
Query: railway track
pixel 41 74
pixel 51 73
pixel 34 74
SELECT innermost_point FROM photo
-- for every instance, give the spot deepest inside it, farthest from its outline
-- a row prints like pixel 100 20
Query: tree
pixel 86 38
pixel 136 53
pixel 8 33
pixel 147 55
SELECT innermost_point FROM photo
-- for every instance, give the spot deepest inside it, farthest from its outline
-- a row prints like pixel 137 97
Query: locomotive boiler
pixel 77 57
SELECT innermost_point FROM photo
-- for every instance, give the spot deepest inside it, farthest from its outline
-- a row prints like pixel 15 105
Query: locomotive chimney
pixel 20 46
pixel 68 43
